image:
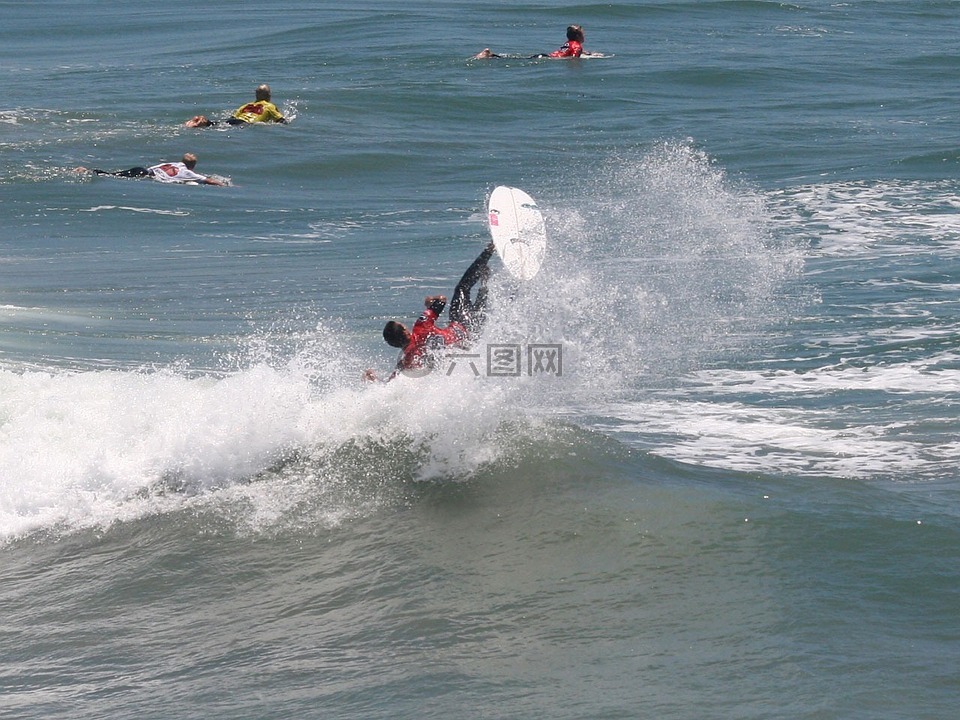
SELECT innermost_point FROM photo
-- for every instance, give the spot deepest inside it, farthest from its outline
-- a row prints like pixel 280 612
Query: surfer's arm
pixel 274 114
pixel 435 303
pixel 370 375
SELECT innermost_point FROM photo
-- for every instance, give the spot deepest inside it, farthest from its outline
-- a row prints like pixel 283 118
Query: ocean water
pixel 732 490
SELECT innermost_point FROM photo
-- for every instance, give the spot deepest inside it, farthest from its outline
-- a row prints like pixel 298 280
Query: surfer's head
pixel 198 121
pixel 575 32
pixel 190 160
pixel 263 92
pixel 396 334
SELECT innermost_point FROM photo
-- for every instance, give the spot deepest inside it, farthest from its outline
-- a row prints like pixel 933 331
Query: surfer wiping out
pixel 260 110
pixel 170 172
pixel 573 48
pixel 422 344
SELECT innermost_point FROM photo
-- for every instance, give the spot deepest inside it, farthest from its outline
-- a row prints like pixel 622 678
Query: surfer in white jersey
pixel 171 172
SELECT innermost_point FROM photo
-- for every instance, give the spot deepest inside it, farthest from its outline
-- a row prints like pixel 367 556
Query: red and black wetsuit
pixel 571 48
pixel 426 339
pixel 466 312
pixel 466 320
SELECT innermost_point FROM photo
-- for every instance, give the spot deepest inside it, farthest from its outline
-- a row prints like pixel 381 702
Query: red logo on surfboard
pixel 494 218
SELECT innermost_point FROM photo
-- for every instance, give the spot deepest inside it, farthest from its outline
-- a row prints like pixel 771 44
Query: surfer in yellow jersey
pixel 573 48
pixel 260 110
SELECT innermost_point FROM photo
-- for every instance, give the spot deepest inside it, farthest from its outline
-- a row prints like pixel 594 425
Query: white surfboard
pixel 518 231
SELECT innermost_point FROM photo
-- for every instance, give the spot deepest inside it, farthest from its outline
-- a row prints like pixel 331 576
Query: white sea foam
pixel 130 208
pixel 875 399
pixel 82 449
pixel 744 438
pixel 877 421
pixel 873 218
pixel 935 375
pixel 76 445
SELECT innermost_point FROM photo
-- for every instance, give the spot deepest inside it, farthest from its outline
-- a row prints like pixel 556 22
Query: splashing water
pixel 663 264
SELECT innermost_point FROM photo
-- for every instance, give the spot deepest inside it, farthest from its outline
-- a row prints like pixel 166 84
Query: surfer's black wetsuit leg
pixel 135 172
pixel 462 309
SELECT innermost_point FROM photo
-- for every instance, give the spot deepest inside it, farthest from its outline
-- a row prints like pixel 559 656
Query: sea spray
pixel 77 446
pixel 89 448
pixel 660 264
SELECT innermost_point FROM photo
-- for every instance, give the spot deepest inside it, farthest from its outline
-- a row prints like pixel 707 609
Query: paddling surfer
pixel 261 110
pixel 170 172
pixel 572 48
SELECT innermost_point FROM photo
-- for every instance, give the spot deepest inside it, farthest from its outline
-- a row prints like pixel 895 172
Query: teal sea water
pixel 738 497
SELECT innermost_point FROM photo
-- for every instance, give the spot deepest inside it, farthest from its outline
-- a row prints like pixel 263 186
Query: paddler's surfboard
pixel 518 231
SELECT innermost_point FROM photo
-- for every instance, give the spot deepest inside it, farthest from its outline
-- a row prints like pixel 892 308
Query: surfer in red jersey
pixel 574 45
pixel 422 344
pixel 573 48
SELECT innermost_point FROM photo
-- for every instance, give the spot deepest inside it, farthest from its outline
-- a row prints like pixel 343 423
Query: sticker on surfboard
pixel 518 231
